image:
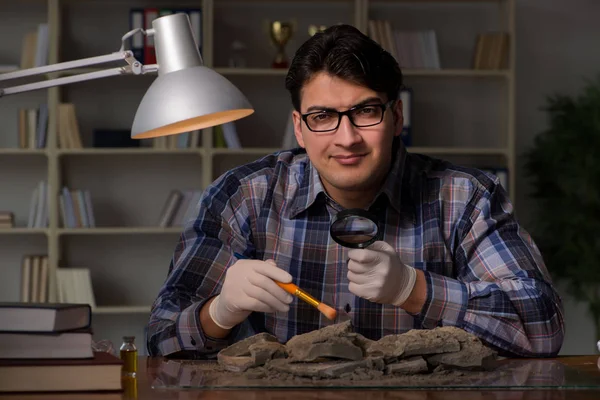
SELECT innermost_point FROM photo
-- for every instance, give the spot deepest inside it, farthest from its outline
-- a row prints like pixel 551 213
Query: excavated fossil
pixel 336 351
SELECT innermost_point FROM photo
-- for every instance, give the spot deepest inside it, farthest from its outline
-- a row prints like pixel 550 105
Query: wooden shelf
pixel 245 151
pixel 412 149
pixel 23 152
pixel 148 230
pixel 126 151
pixel 463 73
pixel 224 2
pixel 456 73
pixel 474 151
pixel 8 68
pixel 374 2
pixel 121 310
pixel 253 71
pixel 23 231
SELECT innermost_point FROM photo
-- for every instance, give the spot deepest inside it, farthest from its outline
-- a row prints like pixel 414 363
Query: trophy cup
pixel 314 29
pixel 280 33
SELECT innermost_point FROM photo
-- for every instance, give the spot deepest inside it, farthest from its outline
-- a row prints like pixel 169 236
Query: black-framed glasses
pixel 360 116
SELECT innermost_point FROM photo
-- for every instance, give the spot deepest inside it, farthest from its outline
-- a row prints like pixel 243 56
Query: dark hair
pixel 345 52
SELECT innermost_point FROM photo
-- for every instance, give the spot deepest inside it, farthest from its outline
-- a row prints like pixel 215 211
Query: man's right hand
pixel 249 286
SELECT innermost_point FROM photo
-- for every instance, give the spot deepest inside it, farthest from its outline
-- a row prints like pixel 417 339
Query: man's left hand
pixel 376 273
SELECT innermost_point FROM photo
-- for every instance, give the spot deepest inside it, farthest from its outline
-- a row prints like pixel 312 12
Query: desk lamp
pixel 185 96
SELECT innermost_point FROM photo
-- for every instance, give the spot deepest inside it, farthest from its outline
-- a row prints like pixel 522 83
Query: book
pixel 406 95
pixel 43 317
pixel 72 344
pixel 102 373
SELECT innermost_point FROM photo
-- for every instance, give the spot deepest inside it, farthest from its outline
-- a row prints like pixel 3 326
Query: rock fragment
pixel 415 342
pixel 321 335
pixel 334 341
pixel 408 366
pixel 473 354
pixel 250 352
pixel 326 369
pixel 334 347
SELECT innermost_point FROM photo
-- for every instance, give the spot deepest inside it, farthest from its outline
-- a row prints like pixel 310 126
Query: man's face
pixel 350 158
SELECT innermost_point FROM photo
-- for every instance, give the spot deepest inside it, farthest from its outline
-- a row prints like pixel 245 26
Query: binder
pixel 136 42
pixel 150 14
pixel 406 95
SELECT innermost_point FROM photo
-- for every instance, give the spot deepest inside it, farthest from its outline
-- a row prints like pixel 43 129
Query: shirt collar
pixel 398 178
pixel 309 189
pixel 394 181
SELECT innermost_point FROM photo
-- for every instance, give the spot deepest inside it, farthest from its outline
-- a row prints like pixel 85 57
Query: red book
pixel 150 14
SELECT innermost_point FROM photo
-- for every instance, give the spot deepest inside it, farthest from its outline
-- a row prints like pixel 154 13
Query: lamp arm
pixel 134 67
pixel 70 79
pixel 85 62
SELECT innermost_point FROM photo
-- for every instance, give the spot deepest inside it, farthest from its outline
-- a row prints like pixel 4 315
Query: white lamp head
pixel 186 95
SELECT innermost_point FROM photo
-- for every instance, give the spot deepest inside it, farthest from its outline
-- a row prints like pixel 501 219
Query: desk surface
pixel 148 368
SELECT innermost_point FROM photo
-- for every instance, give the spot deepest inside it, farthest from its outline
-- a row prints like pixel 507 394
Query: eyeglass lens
pixel 361 116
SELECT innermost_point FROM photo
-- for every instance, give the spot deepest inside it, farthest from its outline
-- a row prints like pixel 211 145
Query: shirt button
pixel 347 308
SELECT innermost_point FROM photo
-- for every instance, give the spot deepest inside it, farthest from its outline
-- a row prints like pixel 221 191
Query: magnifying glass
pixel 355 228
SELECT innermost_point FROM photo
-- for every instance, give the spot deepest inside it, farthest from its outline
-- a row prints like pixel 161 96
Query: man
pixel 451 251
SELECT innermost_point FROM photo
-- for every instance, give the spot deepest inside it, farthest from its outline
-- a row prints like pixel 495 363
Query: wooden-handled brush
pixel 301 294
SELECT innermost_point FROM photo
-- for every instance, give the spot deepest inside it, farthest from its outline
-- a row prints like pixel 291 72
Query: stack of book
pixel 69 135
pixel 47 347
pixel 34 48
pixel 76 209
pixel 7 219
pixel 184 140
pixel 33 127
pixel 412 49
pixel 179 207
pixel 34 279
pixel 38 206
pixel 491 51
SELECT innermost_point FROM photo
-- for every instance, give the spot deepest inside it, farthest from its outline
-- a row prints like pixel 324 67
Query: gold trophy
pixel 314 29
pixel 280 33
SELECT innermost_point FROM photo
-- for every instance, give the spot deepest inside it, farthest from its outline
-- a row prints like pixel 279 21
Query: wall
pixel 557 48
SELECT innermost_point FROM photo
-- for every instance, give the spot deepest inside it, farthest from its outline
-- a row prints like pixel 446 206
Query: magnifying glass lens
pixel 354 229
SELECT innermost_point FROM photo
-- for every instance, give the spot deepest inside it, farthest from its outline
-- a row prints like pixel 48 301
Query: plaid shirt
pixel 483 272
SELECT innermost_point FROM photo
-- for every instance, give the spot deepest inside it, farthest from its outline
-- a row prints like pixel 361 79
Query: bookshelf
pixel 461 114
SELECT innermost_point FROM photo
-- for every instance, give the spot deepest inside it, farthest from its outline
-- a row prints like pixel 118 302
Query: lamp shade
pixel 186 100
pixel 186 95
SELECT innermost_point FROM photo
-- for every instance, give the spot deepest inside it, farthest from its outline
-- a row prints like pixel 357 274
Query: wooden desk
pixel 149 366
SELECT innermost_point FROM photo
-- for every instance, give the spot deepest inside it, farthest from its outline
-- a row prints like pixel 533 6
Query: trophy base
pixel 280 64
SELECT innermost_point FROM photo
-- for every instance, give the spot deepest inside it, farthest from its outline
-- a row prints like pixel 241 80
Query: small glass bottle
pixel 128 353
pixel 130 389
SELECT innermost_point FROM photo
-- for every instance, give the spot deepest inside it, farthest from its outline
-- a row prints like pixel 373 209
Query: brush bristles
pixel 327 311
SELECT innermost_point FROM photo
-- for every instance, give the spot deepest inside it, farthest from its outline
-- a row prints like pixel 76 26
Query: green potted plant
pixel 564 166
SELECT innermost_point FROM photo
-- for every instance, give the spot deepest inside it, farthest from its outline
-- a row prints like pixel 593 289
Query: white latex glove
pixel 377 274
pixel 249 287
